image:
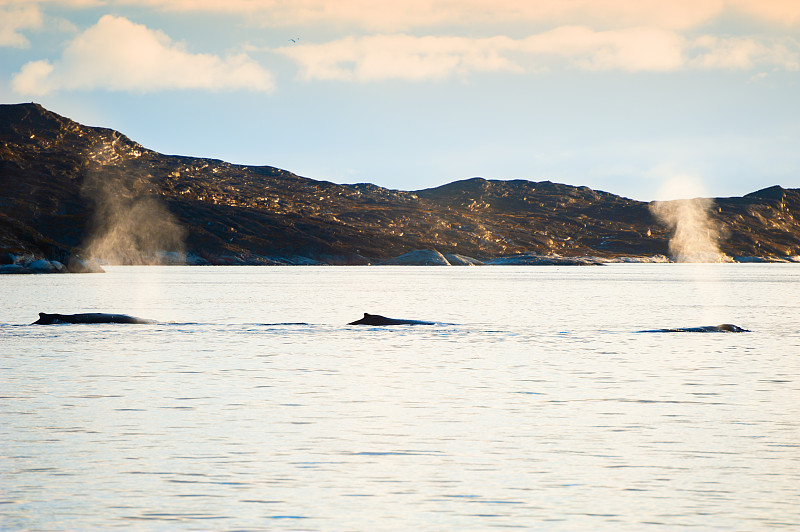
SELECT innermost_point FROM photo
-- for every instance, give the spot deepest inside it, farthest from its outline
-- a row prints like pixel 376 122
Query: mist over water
pixel 131 224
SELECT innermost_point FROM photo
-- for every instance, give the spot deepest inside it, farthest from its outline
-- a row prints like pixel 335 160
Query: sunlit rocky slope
pixel 68 189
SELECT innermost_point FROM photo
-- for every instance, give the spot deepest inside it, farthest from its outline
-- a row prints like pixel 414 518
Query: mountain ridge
pixel 63 183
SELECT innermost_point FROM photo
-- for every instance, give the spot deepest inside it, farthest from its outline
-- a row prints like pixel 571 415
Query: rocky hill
pixel 68 189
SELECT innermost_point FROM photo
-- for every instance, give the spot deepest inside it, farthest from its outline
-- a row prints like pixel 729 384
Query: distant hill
pixel 66 188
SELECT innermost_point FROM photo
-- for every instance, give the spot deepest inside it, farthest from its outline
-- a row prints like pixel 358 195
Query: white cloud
pixel 745 53
pixel 408 14
pixel 635 49
pixel 117 54
pixel 62 3
pixel 33 78
pixel 782 12
pixel 381 57
pixel 594 35
pixel 15 19
pixel 400 56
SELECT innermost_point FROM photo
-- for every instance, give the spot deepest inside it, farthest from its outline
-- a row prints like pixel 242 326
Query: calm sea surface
pixel 535 402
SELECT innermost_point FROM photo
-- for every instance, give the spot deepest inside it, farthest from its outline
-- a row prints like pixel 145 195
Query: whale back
pixel 729 327
pixel 372 319
pixel 724 327
pixel 378 320
pixel 89 317
pixel 45 319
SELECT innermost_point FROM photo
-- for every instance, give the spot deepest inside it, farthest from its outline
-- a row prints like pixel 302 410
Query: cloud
pixel 382 57
pixel 119 55
pixel 400 56
pixel 735 53
pixel 408 14
pixel 61 3
pixel 592 35
pixel 781 12
pixel 635 49
pixel 15 19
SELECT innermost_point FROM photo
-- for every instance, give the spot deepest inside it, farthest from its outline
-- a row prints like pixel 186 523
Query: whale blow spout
pixel 375 319
pixel 91 317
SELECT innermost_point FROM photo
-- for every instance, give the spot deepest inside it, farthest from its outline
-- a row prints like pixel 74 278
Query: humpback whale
pixel 375 319
pixel 91 317
pixel 725 327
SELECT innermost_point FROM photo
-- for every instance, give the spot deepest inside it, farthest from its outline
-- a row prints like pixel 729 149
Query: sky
pixel 648 99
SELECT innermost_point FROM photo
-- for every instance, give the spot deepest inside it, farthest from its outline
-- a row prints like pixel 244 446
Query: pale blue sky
pixel 646 99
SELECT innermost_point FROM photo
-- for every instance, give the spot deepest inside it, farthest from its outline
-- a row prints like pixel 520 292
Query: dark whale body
pixel 725 327
pixel 91 317
pixel 375 319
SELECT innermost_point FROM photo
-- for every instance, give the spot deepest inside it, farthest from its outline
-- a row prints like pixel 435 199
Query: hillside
pixel 68 189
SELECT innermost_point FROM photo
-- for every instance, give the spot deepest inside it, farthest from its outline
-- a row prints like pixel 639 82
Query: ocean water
pixel 534 402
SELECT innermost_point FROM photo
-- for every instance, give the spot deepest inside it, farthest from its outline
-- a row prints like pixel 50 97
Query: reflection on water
pixel 533 403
